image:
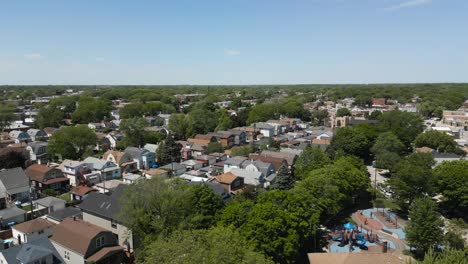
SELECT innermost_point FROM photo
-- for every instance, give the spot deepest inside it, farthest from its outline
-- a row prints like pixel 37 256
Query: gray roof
pixel 59 215
pixel 262 125
pixel 32 251
pixel 264 167
pixel 236 161
pixel 96 163
pixel 151 147
pixel 36 145
pixel 104 205
pixel 36 132
pixel 175 165
pixel 14 180
pixel 216 187
pixel 135 153
pixel 12 212
pixel 50 201
pixel 16 133
pixel 132 176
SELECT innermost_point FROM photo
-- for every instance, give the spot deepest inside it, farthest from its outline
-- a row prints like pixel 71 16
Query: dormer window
pixel 100 242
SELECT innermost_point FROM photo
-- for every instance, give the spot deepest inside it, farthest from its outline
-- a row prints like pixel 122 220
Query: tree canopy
pixel 72 142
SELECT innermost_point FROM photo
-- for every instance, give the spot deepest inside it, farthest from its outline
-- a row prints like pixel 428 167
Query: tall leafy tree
pixel 284 179
pixel 72 142
pixel 134 129
pixel 310 159
pixel 424 231
pixel 91 110
pixel 217 245
pixel 49 116
pixel 6 116
pixel 318 117
pixel 224 121
pixel 406 126
pixel 168 151
pixel 343 112
pixel 437 140
pixel 452 179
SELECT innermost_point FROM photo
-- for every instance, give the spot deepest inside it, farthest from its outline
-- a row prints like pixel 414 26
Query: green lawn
pixel 65 196
pixel 27 208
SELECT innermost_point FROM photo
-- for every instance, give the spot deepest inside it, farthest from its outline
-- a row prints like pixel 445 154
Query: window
pixel 113 224
pixel 67 255
pixel 100 242
pixel 41 232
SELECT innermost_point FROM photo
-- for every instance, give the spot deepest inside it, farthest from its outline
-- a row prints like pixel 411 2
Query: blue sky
pixel 233 41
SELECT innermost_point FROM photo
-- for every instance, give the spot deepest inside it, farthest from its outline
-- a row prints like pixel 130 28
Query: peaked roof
pixel 37 171
pixel 226 178
pixel 31 251
pixel 33 225
pixel 80 231
pixel 103 205
pixel 14 178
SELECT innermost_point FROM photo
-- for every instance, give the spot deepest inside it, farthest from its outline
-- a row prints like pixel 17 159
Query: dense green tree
pixel 168 151
pixel 49 117
pixel 310 159
pixel 224 121
pixel 132 110
pixel 154 137
pixel 388 142
pixel 261 113
pixel 217 245
pixel 12 158
pixel 355 141
pixel 456 230
pixel 413 178
pixel 452 179
pixel 375 115
pixel 406 126
pixel 318 117
pixel 449 256
pixel 424 231
pixel 387 160
pixel 134 129
pixel 72 142
pixel 214 147
pixel 160 206
pixel 6 116
pixel 179 125
pixel 284 179
pixel 201 121
pixel 91 110
pixel 436 140
pixel 343 112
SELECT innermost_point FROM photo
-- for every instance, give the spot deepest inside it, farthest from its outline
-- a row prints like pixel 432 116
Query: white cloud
pixel 232 52
pixel 33 56
pixel 99 59
pixel 408 3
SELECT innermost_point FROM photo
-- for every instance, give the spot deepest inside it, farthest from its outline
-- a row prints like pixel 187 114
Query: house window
pixel 100 242
pixel 67 255
pixel 113 224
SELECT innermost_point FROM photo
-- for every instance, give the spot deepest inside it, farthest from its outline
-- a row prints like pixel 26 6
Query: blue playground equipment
pixel 360 241
pixel 348 226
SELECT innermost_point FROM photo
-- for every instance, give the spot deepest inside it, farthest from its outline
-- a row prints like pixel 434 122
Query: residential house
pixel 38 152
pixel 114 139
pixel 43 177
pixel 39 251
pixel 251 177
pixel 250 133
pixel 258 166
pixel 165 117
pixel 107 169
pixel 103 210
pixel 196 148
pixel 58 216
pixel 143 157
pixel 358 258
pixel 276 162
pixel 132 178
pixel 36 134
pixel 174 168
pixel 279 126
pixel 50 204
pixel 206 159
pixel 208 138
pixel 155 172
pixel 103 143
pixel 14 185
pixel 11 216
pixel 240 136
pixel 96 126
pixel 289 157
pixel 192 164
pixel 225 139
pixel 124 160
pixel 80 242
pixel 321 143
pixel 265 129
pixel 230 182
pixel 234 162
pixel 107 186
pixel 50 131
pixel 80 192
pixel 32 230
pixel 151 148
pixel 74 171
pixel 215 187
pixel 20 136
pixel 185 151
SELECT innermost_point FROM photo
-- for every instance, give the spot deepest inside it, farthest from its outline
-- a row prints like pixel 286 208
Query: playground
pixel 372 230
